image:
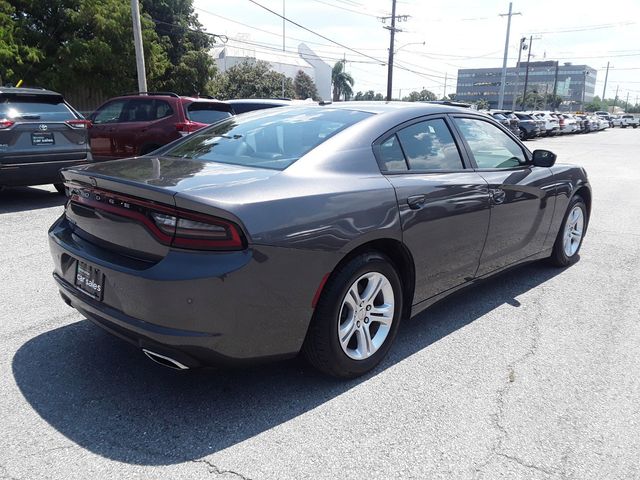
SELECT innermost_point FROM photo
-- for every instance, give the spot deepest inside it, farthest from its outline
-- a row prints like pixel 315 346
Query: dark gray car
pixel 40 133
pixel 313 228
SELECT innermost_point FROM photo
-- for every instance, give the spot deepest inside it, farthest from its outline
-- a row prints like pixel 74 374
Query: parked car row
pixel 40 133
pixel 528 125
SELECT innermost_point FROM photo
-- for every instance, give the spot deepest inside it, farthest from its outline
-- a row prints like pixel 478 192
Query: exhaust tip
pixel 164 360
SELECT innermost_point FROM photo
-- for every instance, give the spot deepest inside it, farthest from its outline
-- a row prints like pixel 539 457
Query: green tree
pixel 84 43
pixel 304 86
pixel 251 79
pixel 421 96
pixel 187 46
pixel 533 101
pixel 553 101
pixel 13 53
pixel 451 96
pixel 342 82
pixel 378 97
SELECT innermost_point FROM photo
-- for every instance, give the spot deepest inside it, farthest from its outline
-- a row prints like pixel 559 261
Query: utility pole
pixel 515 88
pixel 283 45
pixel 604 90
pixel 137 40
pixel 503 81
pixel 615 100
pixel 626 106
pixel 392 30
pixel 444 94
pixel 555 82
pixel 584 89
pixel 526 76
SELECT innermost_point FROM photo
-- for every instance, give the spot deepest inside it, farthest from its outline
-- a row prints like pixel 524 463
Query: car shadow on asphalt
pixel 22 199
pixel 103 394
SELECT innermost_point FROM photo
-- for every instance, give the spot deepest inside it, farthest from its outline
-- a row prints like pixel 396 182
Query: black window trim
pixel 528 155
pixel 377 144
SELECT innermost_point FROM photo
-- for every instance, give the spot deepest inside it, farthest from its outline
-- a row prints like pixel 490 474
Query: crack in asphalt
pixel 498 417
pixel 217 471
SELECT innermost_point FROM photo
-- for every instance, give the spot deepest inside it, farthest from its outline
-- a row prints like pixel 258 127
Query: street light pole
pixel 503 80
pixel 137 41
pixel 283 45
pixel 526 76
pixel 606 76
pixel 515 88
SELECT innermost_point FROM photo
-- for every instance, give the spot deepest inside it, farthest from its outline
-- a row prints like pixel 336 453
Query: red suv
pixel 136 124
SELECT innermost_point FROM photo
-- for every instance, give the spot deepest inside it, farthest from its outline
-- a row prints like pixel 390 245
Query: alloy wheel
pixel 366 316
pixel 573 231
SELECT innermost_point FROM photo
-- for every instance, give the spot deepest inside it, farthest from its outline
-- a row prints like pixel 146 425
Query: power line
pixel 346 9
pixel 585 28
pixel 315 33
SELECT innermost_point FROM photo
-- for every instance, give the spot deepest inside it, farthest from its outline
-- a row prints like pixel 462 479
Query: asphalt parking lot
pixel 531 375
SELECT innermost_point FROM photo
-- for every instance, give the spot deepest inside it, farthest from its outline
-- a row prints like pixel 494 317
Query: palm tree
pixel 342 82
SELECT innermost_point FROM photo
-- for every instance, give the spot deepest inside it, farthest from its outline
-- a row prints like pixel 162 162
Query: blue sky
pixel 456 34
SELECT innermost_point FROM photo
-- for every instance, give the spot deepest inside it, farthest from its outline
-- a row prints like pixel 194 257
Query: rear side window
pixel 21 108
pixel 271 139
pixel 423 146
pixel 203 112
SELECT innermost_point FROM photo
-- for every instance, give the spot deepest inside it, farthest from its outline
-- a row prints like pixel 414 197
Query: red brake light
pixel 170 226
pixel 79 123
pixel 6 124
pixel 185 128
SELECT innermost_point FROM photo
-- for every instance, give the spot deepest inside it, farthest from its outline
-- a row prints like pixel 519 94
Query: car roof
pixel 28 91
pixel 387 107
pixel 261 101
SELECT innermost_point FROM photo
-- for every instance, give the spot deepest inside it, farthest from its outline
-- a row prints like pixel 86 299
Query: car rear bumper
pixel 36 171
pixel 197 307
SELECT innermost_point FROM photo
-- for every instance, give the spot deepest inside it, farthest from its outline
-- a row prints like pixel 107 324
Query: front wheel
pixel 356 318
pixel 569 239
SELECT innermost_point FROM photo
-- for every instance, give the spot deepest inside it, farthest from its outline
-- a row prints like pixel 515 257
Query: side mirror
pixel 544 158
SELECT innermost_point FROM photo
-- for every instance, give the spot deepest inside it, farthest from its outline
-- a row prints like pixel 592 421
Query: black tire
pixel 60 188
pixel 522 134
pixel 322 347
pixel 558 256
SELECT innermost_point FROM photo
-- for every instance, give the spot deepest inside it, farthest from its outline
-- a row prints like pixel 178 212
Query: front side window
pixel 110 113
pixel 490 146
pixel 274 138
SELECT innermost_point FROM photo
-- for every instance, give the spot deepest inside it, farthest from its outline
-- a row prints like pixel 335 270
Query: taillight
pixel 200 232
pixel 170 226
pixel 185 128
pixel 79 123
pixel 6 124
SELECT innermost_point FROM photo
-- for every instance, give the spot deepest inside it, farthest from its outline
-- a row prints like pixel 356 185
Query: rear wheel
pixel 522 134
pixel 356 318
pixel 60 188
pixel 569 239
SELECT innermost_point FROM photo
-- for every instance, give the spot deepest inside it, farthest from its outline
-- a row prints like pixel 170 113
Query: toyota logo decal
pixel 42 127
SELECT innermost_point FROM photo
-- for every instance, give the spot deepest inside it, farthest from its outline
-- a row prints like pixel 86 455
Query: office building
pixel 574 83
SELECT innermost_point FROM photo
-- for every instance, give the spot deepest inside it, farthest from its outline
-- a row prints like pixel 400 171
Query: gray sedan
pixel 314 229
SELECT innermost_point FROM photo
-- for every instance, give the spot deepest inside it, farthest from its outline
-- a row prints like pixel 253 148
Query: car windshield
pixel 35 109
pixel 206 112
pixel 267 139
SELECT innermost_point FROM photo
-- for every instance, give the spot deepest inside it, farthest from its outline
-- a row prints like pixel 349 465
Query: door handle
pixel 497 195
pixel 416 201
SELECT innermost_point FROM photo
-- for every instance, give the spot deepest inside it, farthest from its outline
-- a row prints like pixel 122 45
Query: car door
pixel 104 121
pixel 128 135
pixel 521 194
pixel 443 204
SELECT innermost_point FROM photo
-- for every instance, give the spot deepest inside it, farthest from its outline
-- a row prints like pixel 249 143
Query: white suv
pixel 629 121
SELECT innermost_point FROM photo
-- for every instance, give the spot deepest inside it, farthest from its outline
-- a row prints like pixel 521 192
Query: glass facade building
pixel 571 82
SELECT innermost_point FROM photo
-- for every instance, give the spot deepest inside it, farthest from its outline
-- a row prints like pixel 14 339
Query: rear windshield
pixel 203 112
pixel 272 138
pixel 523 117
pixel 35 109
pixel 244 107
